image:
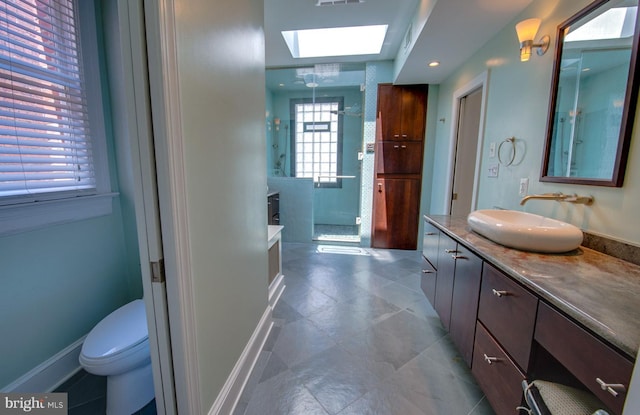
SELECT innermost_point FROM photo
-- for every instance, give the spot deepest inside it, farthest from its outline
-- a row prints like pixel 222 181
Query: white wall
pixel 220 51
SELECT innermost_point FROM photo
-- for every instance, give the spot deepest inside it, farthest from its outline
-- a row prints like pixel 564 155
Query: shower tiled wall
pixel 376 72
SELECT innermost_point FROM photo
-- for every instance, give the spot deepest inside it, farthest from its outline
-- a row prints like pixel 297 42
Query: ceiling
pixel 454 30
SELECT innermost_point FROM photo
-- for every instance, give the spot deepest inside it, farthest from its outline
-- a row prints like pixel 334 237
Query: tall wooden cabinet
pixel 400 130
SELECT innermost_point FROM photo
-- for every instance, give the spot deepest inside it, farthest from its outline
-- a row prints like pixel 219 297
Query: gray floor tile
pixel 434 389
pixel 334 378
pixel 380 401
pixel 299 341
pixel 354 334
pixel 283 395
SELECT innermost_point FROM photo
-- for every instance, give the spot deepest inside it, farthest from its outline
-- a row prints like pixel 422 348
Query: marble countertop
pixel 599 291
pixel 273 231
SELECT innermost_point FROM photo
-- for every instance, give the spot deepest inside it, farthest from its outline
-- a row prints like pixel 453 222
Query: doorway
pixel 466 146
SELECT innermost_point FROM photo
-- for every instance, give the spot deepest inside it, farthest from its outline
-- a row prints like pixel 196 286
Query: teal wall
pixel 59 281
pixel 518 98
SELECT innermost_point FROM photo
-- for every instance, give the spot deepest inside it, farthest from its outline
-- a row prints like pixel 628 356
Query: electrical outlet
pixel 524 186
pixel 492 150
pixel 493 170
pixel 370 147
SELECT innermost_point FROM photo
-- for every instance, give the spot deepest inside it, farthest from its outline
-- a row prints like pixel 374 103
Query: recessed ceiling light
pixel 337 41
pixel 434 64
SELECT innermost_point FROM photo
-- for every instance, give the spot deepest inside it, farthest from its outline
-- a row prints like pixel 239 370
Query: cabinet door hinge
pixel 157 271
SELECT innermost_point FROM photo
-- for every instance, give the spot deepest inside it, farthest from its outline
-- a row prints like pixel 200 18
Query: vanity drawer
pixel 585 356
pixel 499 378
pixel 508 311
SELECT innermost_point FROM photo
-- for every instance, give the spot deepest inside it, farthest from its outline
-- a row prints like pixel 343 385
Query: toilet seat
pixel 119 341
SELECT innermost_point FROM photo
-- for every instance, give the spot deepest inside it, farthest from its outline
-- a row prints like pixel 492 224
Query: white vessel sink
pixel 525 231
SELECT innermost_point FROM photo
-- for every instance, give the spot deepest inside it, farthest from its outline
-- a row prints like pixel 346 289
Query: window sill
pixel 26 217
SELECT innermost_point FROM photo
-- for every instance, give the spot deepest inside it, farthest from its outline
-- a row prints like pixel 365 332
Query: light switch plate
pixel 493 170
pixel 492 150
pixel 370 147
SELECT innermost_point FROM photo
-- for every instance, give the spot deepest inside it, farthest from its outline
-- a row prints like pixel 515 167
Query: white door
pixel 469 111
pixel 134 54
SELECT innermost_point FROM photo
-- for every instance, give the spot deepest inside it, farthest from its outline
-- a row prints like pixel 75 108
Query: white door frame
pixel 480 81
pixel 146 201
pixel 171 177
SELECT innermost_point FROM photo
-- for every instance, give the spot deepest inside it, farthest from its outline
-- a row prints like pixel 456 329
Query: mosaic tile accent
pixel 375 73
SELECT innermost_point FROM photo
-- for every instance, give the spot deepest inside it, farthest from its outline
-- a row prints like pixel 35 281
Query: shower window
pixel 317 143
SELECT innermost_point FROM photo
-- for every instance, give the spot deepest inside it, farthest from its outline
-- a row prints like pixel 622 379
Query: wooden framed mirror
pixel 594 93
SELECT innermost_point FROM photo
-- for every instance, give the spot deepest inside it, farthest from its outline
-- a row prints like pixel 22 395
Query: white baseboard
pixel 275 290
pixel 228 397
pixel 50 374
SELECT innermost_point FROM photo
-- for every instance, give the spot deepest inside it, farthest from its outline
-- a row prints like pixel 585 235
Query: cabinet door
pixel 499 378
pixel 508 311
pixel 396 203
pixel 402 112
pixel 444 286
pixel 414 112
pixel 464 304
pixel 430 241
pixel 389 112
pixel 590 360
pixel 428 281
pixel 399 157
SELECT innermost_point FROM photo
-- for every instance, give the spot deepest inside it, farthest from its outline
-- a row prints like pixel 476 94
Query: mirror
pixel 593 95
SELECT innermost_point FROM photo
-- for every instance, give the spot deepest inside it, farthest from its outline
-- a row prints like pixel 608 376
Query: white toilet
pixel 118 347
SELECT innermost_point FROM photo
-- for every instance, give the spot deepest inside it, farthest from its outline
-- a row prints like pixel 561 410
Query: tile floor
pixel 87 395
pixel 354 334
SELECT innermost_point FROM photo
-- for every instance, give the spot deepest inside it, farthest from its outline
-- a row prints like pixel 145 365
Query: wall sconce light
pixel 527 30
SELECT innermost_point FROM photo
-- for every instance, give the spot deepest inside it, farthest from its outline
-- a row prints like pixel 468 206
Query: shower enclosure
pixel 314 131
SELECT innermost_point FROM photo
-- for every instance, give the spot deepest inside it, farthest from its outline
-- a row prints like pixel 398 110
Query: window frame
pixel 23 213
pixel 318 100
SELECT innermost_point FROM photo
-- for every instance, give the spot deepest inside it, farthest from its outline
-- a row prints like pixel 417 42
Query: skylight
pixel 337 41
pixel 613 24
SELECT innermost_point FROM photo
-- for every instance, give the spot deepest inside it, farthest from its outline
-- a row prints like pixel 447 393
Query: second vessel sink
pixel 525 231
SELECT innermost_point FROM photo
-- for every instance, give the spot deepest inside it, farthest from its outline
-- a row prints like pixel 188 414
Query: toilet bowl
pixel 118 348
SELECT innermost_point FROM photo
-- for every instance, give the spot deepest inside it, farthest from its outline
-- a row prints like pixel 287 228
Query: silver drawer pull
pixel 459 257
pixel 612 388
pixel 428 271
pixel 430 233
pixel 451 251
pixel 499 293
pixel 490 359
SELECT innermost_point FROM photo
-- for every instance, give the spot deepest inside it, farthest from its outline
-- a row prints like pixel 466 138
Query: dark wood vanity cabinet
pixel 273 209
pixel 508 311
pixel 507 333
pixel 456 293
pixel 444 285
pixel 604 371
pixel 430 242
pixel 498 376
pixel 464 303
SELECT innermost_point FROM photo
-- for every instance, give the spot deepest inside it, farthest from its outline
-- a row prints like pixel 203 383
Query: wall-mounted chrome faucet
pixel 561 197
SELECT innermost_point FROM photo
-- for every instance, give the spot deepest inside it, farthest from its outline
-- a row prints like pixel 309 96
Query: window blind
pixel 45 145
